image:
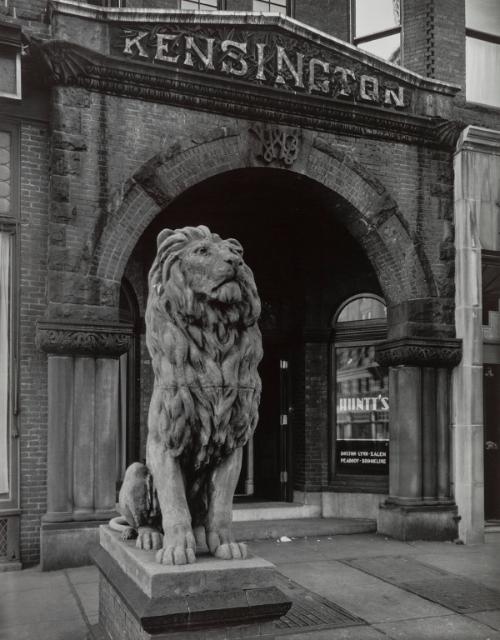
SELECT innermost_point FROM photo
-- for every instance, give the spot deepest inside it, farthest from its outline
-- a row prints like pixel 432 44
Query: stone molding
pixel 479 139
pixel 73 64
pixel 89 339
pixel 419 352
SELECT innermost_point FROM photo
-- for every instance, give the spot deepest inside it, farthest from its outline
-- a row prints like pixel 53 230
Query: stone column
pixel 420 503
pixel 83 410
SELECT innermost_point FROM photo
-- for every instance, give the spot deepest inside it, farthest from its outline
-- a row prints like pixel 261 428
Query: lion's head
pixel 202 277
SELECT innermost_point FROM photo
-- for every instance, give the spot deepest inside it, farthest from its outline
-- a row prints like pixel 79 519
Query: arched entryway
pixel 315 231
pixel 306 263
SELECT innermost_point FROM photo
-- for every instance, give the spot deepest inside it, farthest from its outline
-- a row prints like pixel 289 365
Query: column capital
pixel 84 339
pixel 420 352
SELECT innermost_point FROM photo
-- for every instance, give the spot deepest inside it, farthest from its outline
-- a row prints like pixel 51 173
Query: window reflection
pixel 360 399
pixel 274 6
pixel 482 51
pixel 201 5
pixel 377 28
pixel 373 16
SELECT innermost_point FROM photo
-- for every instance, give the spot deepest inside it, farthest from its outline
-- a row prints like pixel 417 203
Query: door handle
pixel 491 446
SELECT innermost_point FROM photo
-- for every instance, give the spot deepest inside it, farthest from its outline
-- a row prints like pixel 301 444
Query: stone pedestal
pixel 420 505
pixel 141 599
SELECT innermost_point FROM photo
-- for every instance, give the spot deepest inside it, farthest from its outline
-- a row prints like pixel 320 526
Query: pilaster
pixel 83 423
pixel 420 503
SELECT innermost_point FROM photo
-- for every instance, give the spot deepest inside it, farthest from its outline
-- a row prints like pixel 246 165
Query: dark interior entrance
pixel 491 391
pixel 305 264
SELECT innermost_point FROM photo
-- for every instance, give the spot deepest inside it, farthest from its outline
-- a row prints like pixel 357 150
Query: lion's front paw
pixel 148 539
pixel 178 548
pixel 222 545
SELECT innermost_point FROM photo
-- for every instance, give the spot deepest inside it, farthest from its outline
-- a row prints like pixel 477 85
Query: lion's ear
pixel 162 236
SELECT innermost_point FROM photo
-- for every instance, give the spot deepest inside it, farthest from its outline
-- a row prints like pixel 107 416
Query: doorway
pixel 491 395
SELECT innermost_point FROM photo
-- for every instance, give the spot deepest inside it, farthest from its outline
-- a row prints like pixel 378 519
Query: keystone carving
pixel 276 143
pixel 83 340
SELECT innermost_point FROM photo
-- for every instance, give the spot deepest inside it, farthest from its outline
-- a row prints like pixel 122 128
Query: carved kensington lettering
pixel 261 58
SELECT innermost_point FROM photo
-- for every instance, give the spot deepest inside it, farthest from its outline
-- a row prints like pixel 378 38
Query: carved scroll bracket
pixel 420 352
pixel 89 339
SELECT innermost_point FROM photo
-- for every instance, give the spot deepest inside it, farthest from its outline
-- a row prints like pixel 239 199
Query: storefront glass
pixel 361 390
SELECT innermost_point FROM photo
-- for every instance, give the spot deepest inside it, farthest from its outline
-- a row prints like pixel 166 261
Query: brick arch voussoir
pixel 376 222
pixel 154 186
pixel 373 218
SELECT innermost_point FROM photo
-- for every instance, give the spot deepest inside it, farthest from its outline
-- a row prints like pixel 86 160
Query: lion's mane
pixel 205 354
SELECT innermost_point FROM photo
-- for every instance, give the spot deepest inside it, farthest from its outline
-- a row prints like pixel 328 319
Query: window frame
pixel 221 6
pixel 290 8
pixel 483 37
pixel 10 223
pixel 376 35
pixel 353 334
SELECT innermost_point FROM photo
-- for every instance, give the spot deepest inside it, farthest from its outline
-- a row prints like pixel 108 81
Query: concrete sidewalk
pixel 417 591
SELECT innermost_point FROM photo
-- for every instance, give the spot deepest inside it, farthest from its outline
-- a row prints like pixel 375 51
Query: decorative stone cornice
pixel 419 352
pixel 86 339
pixel 263 68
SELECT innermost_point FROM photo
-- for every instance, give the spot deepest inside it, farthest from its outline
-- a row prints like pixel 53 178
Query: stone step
pixel 244 511
pixel 301 528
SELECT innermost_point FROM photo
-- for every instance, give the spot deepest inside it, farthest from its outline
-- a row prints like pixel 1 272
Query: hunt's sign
pixel 263 58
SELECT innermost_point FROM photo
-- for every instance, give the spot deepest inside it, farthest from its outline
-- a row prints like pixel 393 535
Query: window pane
pixel 376 15
pixel 5 357
pixel 276 6
pixel 388 48
pixel 366 308
pixel 483 15
pixel 8 72
pixel 4 172
pixel 362 409
pixel 202 5
pixel 482 65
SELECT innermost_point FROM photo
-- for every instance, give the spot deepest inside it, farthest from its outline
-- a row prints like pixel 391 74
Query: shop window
pixel 272 6
pixel 200 5
pixel 482 51
pixel 359 396
pixel 376 26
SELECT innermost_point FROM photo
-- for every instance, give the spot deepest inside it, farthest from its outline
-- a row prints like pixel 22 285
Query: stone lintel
pixel 93 339
pixel 186 599
pixel 420 352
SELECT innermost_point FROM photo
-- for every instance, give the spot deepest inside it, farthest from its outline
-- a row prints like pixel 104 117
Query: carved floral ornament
pixel 419 352
pixel 83 340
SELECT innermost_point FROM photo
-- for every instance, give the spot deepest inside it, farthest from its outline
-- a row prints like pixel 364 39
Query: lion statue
pixel 205 345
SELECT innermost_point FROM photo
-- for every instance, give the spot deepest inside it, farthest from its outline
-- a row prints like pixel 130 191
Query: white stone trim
pixel 475 146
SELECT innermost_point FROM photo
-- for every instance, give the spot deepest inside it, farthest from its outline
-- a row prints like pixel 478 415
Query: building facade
pixel 356 156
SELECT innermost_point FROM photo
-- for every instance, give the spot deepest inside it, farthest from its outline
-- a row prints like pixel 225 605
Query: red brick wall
pixel 33 363
pixel 331 16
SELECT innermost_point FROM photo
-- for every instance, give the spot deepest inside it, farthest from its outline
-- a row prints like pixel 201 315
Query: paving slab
pixel 363 595
pixel 453 627
pixel 82 575
pixel 38 605
pixel 55 630
pixel 351 633
pixel 18 581
pixel 489 618
pixel 88 594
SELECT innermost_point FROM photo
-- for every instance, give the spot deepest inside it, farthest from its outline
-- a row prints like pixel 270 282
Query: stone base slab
pixel 140 598
pixel 418 522
pixel 67 544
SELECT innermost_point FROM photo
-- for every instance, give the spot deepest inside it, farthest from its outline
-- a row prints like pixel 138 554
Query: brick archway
pixel 370 213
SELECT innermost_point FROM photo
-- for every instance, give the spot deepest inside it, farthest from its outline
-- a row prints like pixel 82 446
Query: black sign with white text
pixel 362 457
